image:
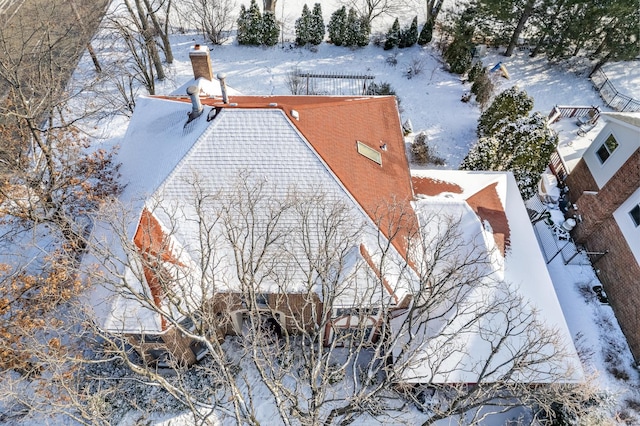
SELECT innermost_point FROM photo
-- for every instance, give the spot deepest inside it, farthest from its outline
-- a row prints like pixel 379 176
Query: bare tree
pixel 373 9
pixel 321 312
pixel 135 28
pixel 49 174
pixel 214 19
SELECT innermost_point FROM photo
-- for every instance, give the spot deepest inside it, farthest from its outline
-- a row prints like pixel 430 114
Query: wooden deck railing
pixel 559 111
pixel 558 166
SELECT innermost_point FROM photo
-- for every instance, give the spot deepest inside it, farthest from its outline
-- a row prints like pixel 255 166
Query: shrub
pixel 426 34
pixel 393 36
pixel 422 153
pixel 416 66
pixel 409 36
pixel 483 88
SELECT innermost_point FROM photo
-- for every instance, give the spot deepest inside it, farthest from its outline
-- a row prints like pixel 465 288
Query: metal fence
pixel 332 83
pixel 611 96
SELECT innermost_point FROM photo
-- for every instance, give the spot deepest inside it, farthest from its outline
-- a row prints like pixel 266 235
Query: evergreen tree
pixel 522 146
pixel 409 36
pixel 475 71
pixel 363 31
pixel 270 29
pixel 458 53
pixel 254 25
pixel 243 24
pixel 426 34
pixel 317 25
pixel 352 30
pixel 304 27
pixel 508 106
pixel 337 26
pixel 393 36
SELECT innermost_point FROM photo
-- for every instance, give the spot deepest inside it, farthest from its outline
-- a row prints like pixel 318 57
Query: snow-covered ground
pixel 431 100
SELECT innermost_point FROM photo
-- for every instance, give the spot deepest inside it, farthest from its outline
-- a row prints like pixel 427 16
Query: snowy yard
pixel 431 100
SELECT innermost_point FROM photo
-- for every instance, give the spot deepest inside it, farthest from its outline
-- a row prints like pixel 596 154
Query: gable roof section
pixel 429 186
pixel 333 126
pixel 524 273
pixel 488 206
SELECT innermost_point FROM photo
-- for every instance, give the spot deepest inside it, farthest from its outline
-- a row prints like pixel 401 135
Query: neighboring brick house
pixel 348 149
pixel 605 187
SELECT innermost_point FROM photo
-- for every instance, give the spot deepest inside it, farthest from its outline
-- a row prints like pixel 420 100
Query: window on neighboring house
pixel 262 299
pixel 607 148
pixel 635 215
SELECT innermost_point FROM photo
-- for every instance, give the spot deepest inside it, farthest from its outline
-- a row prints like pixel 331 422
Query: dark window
pixel 262 299
pixel 635 215
pixel 607 148
pixel 356 312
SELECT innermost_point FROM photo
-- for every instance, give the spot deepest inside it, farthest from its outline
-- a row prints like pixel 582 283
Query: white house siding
pixel 625 223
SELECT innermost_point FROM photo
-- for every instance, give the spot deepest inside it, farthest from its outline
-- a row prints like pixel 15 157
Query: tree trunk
pixel 600 63
pixel 166 43
pixel 524 17
pixel 539 45
pixel 148 38
pixel 269 5
pixel 92 53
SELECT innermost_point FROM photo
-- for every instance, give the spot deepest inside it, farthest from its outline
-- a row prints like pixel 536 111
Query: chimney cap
pixel 199 49
pixel 221 76
pixel 192 90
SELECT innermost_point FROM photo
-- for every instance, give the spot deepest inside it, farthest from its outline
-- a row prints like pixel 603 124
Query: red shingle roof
pixel 487 205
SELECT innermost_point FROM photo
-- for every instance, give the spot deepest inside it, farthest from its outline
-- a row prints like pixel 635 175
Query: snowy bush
pixel 508 106
pixel 416 66
pixel 482 87
pixel 423 153
pixel 523 147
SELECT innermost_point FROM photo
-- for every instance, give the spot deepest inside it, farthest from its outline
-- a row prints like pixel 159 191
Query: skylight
pixel 369 152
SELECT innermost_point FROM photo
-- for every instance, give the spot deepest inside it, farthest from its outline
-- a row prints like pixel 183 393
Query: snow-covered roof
pixel 254 140
pixel 521 272
pixel 630 118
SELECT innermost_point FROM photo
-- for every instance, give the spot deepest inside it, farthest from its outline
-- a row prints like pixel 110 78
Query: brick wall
pixel 595 209
pixel 598 231
pixel 620 276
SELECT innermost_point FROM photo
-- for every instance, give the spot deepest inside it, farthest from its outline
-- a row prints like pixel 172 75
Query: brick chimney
pixel 201 62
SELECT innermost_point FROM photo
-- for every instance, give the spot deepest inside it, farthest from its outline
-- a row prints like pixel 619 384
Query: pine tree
pixel 303 27
pixel 352 30
pixel 243 24
pixel 426 34
pixel 409 36
pixel 508 106
pixel 317 25
pixel 393 36
pixel 364 32
pixel 337 26
pixel 522 146
pixel 254 25
pixel 270 29
pixel 458 53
